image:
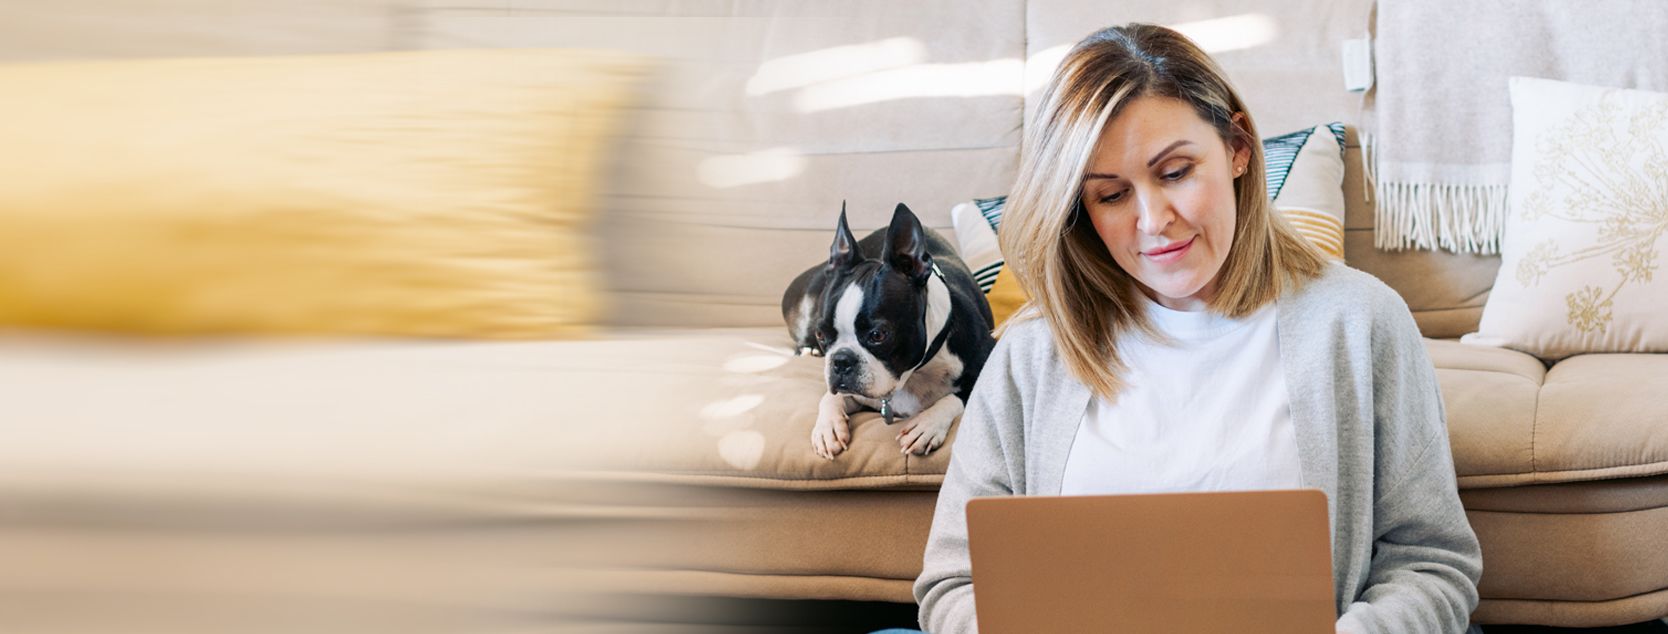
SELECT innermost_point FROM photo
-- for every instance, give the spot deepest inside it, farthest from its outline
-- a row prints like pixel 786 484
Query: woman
pixel 1181 337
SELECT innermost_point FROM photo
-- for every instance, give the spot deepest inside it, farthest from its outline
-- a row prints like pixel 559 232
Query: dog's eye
pixel 821 338
pixel 877 337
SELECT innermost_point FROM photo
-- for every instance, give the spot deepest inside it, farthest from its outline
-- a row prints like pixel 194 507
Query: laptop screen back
pixel 1246 562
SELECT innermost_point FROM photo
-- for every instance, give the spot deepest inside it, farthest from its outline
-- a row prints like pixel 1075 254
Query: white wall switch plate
pixel 1358 64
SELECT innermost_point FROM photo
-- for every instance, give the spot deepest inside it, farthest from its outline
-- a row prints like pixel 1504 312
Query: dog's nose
pixel 843 361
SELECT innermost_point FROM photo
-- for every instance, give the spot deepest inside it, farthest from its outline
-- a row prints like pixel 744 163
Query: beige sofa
pixel 671 457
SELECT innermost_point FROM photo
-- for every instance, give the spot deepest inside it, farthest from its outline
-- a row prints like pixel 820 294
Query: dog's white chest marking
pixel 935 380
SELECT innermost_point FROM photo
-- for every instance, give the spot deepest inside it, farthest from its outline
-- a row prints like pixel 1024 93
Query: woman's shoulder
pixel 1347 292
pixel 1347 300
pixel 1027 343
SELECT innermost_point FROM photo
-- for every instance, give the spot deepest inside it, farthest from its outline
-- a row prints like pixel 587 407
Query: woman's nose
pixel 1155 212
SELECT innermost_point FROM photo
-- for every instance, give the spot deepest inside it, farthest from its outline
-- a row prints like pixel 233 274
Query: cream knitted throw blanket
pixel 1438 129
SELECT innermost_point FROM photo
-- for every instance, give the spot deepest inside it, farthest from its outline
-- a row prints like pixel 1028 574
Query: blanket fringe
pixel 1457 218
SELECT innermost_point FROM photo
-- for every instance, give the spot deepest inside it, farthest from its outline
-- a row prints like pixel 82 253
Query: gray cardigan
pixel 1371 433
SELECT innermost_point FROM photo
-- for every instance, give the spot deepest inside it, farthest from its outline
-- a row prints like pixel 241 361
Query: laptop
pixel 1247 562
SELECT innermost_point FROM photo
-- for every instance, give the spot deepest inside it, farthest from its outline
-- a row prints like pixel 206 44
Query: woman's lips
pixel 1171 253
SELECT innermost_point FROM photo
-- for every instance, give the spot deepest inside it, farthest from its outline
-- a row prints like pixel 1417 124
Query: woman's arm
pixel 1426 559
pixel 987 460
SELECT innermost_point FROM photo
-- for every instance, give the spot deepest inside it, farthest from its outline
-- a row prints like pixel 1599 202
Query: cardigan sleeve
pixel 1426 560
pixel 987 460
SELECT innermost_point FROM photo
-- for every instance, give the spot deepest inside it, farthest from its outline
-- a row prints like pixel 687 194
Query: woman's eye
pixel 1179 174
pixel 1112 197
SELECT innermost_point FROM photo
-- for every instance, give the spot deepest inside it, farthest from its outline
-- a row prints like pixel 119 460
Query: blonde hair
pixel 1051 246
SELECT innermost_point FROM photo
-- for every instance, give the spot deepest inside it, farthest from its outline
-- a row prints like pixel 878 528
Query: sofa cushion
pixel 1607 532
pixel 1620 495
pixel 735 407
pixel 1602 556
pixel 1489 394
pixel 1603 416
pixel 1590 417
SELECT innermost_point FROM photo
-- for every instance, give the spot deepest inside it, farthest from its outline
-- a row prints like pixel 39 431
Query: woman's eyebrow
pixel 1161 154
pixel 1156 158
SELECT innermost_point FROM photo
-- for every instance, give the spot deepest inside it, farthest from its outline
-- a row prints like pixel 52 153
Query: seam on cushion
pixel 744 573
pixel 1504 372
pixel 1532 383
pixel 1535 430
pixel 1647 509
pixel 1479 296
pixel 1647 593
pixel 881 482
pixel 1663 464
pixel 733 474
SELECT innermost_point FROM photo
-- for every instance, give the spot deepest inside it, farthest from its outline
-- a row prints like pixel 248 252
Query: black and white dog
pixel 903 328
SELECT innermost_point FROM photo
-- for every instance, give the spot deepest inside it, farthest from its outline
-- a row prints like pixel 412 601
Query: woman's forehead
pixel 1146 128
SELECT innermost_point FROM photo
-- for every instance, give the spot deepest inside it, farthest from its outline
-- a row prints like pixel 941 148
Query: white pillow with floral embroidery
pixel 1587 224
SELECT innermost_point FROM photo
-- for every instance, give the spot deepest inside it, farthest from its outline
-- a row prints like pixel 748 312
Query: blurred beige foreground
pixel 374 487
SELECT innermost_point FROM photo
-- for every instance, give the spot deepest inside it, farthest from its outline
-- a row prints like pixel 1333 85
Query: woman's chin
pixel 1170 291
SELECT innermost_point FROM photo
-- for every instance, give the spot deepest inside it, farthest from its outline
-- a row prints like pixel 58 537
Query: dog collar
pixel 943 333
pixel 932 350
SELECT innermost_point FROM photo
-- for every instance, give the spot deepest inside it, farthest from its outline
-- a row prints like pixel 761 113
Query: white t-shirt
pixel 1209 413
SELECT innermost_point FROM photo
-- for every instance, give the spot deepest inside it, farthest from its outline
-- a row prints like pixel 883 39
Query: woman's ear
pixel 1241 144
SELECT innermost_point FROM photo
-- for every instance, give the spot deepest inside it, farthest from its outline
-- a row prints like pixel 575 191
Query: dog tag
pixel 886 409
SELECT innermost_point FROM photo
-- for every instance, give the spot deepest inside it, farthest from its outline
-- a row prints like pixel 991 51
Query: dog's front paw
pixel 829 437
pixel 832 432
pixel 923 433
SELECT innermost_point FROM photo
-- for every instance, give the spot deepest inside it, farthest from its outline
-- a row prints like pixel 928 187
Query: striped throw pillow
pixel 1305 180
pixel 975 224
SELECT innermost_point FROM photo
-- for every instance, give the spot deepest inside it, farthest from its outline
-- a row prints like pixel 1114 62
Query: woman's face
pixel 1160 192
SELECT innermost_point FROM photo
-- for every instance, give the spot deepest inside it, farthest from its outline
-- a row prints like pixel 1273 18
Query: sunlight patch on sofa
pixel 731 407
pixel 742 448
pixel 1231 33
pixel 755 363
pixel 763 166
pixel 971 79
pixel 803 69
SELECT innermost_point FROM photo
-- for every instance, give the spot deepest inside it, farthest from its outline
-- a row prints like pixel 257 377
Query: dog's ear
pixel 906 245
pixel 844 252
